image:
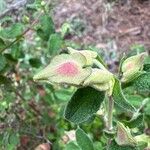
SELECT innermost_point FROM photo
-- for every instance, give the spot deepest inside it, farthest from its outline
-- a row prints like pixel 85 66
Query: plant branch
pixel 28 29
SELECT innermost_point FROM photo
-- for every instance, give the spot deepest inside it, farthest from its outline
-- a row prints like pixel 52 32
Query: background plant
pixel 32 113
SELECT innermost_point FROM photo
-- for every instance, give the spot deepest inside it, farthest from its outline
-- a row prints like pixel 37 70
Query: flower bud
pixel 89 55
pixel 132 66
pixel 101 80
pixel 124 136
pixel 65 69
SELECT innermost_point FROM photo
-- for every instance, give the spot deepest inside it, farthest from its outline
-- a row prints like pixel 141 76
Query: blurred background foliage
pixel 32 113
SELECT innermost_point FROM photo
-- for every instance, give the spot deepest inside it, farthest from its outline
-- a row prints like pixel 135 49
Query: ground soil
pixel 114 26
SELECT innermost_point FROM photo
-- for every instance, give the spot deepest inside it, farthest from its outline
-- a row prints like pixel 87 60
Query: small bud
pixel 132 67
pixel 89 55
pixel 101 80
pixel 43 3
pixel 66 69
pixel 98 76
pixel 124 136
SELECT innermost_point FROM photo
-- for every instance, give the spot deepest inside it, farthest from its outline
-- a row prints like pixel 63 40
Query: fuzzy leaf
pixel 89 55
pixel 124 136
pixel 142 83
pixel 114 146
pixel 66 69
pixel 136 122
pixel 83 104
pixel 83 140
pixel 120 99
pixel 132 66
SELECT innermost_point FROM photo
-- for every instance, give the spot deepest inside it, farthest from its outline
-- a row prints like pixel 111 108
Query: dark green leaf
pixel 4 80
pixel 142 83
pixel 83 140
pixel 120 99
pixel 10 59
pixel 114 146
pixel 54 43
pixel 72 146
pixel 35 62
pixel 83 104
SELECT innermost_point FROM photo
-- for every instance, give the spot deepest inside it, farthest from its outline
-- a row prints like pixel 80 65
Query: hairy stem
pixel 110 114
pixel 109 121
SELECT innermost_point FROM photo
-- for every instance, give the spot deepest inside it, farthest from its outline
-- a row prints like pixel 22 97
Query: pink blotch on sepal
pixel 68 69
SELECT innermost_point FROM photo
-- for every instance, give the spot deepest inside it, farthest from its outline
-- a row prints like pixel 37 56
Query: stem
pixel 110 113
pixel 98 64
pixel 109 124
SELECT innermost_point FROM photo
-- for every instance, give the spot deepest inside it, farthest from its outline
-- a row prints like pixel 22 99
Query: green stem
pixel 110 114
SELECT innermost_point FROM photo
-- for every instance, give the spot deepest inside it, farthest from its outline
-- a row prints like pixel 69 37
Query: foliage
pixel 32 113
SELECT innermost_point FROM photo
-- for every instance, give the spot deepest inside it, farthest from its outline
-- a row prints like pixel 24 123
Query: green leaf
pixel 83 104
pixel 4 80
pixel 35 62
pixel 120 99
pixel 16 50
pixel 114 146
pixel 12 32
pixel 142 83
pixel 136 122
pixel 2 62
pixel 2 44
pixel 83 140
pixel 46 27
pixel 72 146
pixel 54 43
pixel 14 139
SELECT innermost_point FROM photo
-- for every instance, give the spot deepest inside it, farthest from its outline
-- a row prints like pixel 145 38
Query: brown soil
pixel 113 26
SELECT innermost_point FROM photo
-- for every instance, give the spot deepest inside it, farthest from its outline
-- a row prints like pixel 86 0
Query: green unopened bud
pixel 66 69
pixel 124 136
pixel 101 80
pixel 89 55
pixel 132 66
pixel 98 76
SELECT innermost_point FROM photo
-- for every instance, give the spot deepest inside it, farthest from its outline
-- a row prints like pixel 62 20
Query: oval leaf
pixel 83 104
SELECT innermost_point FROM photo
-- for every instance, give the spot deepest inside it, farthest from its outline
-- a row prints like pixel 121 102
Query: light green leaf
pixel 83 140
pixel 83 104
pixel 65 69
